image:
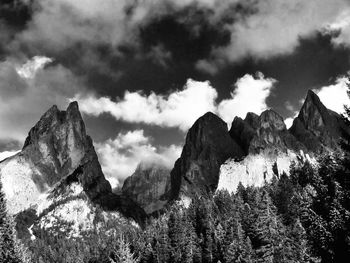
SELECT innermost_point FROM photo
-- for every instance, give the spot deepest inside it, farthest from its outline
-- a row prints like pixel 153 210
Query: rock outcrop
pixel 270 147
pixel 56 153
pixel 147 186
pixel 207 146
pixel 265 133
pixel 317 127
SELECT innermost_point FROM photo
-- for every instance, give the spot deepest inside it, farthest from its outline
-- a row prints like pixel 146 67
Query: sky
pixel 144 70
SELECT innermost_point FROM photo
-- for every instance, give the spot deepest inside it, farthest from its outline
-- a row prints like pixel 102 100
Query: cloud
pixel 178 109
pixel 249 96
pixel 182 108
pixel 28 89
pixel 119 157
pixel 274 27
pixel 31 67
pixel 335 96
pixel 341 26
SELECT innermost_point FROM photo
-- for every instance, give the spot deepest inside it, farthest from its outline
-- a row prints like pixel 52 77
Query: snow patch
pixel 185 201
pixel 20 191
pixel 30 229
pixel 73 217
pixel 45 199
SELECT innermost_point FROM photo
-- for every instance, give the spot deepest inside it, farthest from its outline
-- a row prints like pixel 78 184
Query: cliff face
pixel 207 146
pixel 56 153
pixel 265 133
pixel 317 127
pixel 58 146
pixel 147 186
pixel 270 147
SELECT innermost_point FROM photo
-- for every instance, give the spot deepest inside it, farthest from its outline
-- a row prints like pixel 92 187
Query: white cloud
pixel 341 24
pixel 275 27
pixel 31 67
pixel 249 96
pixel 335 96
pixel 5 154
pixel 289 122
pixel 183 107
pixel 120 157
pixel 178 109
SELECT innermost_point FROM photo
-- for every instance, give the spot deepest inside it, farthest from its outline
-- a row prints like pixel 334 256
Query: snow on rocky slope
pixel 18 186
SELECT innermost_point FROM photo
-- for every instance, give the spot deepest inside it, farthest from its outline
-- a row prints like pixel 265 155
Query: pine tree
pixel 266 228
pixel 122 253
pixel 176 237
pixel 8 250
pixel 162 242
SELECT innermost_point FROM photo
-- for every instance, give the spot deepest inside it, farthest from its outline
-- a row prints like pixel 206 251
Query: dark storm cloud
pixel 15 13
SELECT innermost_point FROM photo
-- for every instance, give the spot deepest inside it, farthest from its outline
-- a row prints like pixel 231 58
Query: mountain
pixel 253 151
pixel 208 145
pixel 58 155
pixel 147 186
pixel 317 127
pixel 270 148
pixel 57 173
pixel 266 132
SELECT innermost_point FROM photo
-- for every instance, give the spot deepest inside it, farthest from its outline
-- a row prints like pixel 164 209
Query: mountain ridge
pixel 257 148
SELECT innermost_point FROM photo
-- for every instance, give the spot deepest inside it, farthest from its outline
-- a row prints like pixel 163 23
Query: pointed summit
pixel 208 145
pixel 317 127
pixel 56 148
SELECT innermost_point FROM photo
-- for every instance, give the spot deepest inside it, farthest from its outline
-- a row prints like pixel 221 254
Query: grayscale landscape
pixel 193 131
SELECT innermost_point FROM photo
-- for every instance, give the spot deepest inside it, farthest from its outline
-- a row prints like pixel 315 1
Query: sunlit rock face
pixel 147 186
pixel 256 169
pixel 317 127
pixel 56 147
pixel 207 146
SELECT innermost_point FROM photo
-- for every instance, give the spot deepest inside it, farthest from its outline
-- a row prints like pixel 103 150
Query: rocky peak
pixel 313 113
pixel 252 120
pixel 57 144
pixel 270 119
pixel 207 146
pixel 266 132
pixel 147 186
pixel 317 127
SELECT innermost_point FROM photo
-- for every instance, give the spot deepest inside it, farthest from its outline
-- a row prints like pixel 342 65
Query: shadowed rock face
pixel 266 132
pixel 56 152
pixel 58 146
pixel 147 186
pixel 317 127
pixel 207 146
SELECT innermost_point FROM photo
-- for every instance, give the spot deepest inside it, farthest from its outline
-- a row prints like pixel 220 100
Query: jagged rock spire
pixel 207 146
pixel 266 132
pixel 317 127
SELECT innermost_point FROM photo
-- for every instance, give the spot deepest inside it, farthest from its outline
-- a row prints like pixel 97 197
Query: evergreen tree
pixel 122 254
pixel 266 228
pixel 8 250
